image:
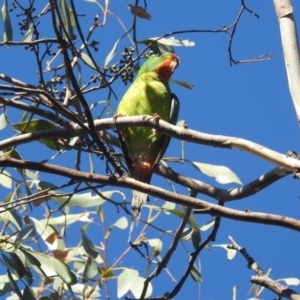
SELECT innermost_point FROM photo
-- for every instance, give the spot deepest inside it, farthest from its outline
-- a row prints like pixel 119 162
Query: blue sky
pixel 249 101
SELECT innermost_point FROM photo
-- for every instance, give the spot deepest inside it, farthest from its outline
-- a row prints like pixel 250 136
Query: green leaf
pixel 175 42
pixel 156 46
pixel 230 252
pixel 15 154
pixel 88 246
pixel 207 225
pixel 82 200
pixel 111 54
pixel 28 35
pixel 44 231
pixel 21 265
pixel 3 121
pixel 14 284
pixel 24 234
pixel 65 219
pixel 5 179
pixel 290 281
pixel 66 12
pixel 182 124
pixel 96 2
pixel 177 213
pixel 196 238
pixel 84 291
pixel 39 125
pixel 125 281
pixel 15 219
pixel 157 245
pixel 165 45
pixel 41 263
pixel 90 269
pixel 34 125
pixel 8 33
pixel 44 185
pixel 5 285
pixel 29 294
pixel 14 263
pixel 222 174
pixel 63 271
pixel 182 83
pixel 121 223
pixel 138 287
pixel 168 206
pixel 88 60
pixel 195 274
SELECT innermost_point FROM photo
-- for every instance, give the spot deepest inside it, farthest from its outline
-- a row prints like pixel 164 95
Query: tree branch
pixel 126 182
pixel 262 278
pixel 184 134
pixel 289 40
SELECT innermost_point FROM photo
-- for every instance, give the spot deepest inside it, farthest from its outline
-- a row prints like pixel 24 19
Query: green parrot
pixel 149 94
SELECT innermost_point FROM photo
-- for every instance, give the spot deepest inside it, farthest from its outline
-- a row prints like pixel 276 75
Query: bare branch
pixel 202 206
pixel 262 278
pixel 284 161
pixel 223 195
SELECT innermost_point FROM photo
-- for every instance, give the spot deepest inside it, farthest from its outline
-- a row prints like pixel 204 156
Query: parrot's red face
pixel 166 69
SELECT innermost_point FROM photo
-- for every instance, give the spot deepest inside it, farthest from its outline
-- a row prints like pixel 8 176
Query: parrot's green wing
pixel 174 111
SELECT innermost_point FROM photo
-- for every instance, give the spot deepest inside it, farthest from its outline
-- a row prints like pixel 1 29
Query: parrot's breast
pixel 148 95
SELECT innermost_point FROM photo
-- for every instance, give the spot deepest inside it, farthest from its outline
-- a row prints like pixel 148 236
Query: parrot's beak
pixel 174 64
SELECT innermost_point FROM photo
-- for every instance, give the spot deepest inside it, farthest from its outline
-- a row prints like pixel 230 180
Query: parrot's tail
pixel 138 199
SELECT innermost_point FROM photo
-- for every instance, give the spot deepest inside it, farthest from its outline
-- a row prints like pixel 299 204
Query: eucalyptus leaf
pixel 8 33
pixel 88 60
pixel 222 174
pixel 111 54
pixel 88 246
pixel 28 35
pixel 82 200
pixel 195 274
pixel 24 234
pixel 138 287
pixel 90 269
pixel 168 206
pixel 182 123
pixel 14 284
pixel 63 271
pixel 28 293
pixel 5 179
pixel 161 45
pixel 39 125
pixel 207 225
pixel 157 245
pixel 290 281
pixel 125 281
pixel 182 83
pixel 67 16
pixel 230 252
pixel 3 121
pixel 121 223
pixel 175 42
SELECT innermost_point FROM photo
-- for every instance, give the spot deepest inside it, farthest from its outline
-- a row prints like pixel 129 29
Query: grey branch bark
pixel 290 46
pixel 261 277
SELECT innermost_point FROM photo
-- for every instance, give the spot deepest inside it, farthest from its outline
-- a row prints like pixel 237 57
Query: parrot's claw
pixel 156 118
pixel 116 116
